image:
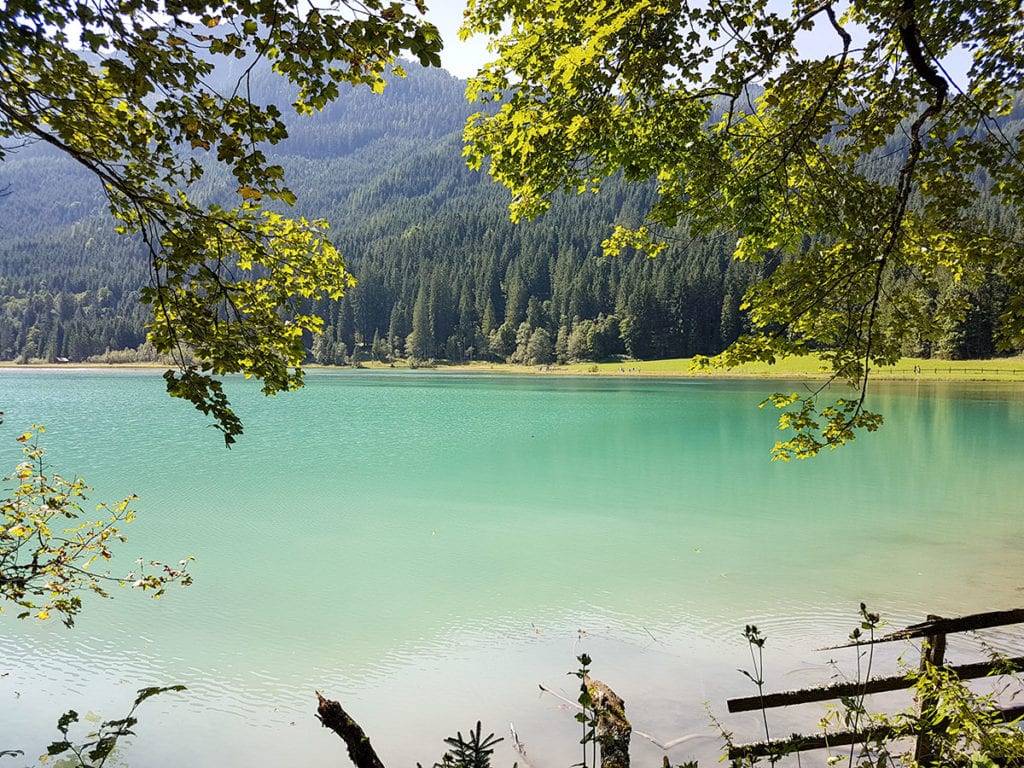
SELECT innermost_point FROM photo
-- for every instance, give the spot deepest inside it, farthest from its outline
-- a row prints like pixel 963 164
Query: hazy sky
pixel 463 58
pixel 459 58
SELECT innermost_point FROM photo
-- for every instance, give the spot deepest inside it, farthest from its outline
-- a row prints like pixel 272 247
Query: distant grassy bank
pixel 999 369
pixel 910 368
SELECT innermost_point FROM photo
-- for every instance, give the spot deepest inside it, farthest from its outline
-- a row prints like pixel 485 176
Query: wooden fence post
pixel 933 653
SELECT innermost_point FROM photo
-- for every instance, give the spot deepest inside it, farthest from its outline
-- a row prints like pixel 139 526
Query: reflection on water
pixel 427 548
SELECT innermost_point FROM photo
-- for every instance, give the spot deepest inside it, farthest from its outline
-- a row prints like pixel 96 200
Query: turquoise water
pixel 427 548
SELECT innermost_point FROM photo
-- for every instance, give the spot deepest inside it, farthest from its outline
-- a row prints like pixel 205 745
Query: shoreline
pixel 999 370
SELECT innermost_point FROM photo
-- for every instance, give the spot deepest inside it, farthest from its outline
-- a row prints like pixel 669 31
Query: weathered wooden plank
pixel 946 627
pixel 879 685
pixel 824 693
pixel 801 743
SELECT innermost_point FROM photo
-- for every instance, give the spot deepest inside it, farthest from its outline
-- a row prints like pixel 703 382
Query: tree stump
pixel 613 729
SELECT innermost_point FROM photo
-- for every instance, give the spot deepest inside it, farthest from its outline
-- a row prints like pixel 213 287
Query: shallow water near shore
pixel 428 548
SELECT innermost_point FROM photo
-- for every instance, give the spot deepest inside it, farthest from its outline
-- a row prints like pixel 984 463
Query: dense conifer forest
pixel 443 273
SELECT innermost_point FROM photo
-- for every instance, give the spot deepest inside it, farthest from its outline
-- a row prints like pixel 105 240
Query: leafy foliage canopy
pixel 854 164
pixel 127 89
pixel 49 556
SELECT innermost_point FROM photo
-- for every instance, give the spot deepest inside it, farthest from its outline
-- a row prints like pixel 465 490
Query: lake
pixel 428 548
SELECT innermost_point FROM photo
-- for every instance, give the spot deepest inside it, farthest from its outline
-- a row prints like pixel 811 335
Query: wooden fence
pixel 947 369
pixel 934 631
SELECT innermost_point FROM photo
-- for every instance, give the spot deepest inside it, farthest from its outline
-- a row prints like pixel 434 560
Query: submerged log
pixel 613 729
pixel 334 717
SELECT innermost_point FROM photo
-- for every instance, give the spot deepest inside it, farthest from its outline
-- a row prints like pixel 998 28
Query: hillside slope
pixel 442 271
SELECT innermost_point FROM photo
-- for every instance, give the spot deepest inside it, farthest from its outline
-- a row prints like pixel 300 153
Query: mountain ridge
pixel 443 273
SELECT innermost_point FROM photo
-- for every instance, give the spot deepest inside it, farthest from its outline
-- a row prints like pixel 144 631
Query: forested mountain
pixel 443 273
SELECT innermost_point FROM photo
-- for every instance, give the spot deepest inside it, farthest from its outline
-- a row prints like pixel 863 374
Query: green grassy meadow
pixel 997 369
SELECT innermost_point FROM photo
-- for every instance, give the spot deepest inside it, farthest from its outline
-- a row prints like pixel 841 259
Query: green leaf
pixel 104 746
pixel 146 693
pixel 57 748
pixel 65 721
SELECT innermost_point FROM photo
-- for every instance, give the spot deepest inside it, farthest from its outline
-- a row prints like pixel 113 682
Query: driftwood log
pixel 613 729
pixel 332 716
